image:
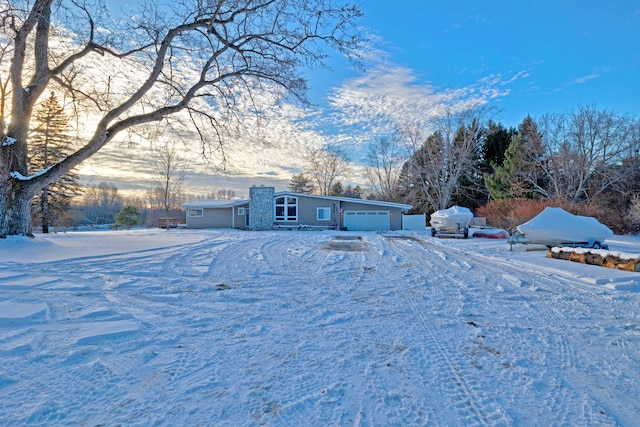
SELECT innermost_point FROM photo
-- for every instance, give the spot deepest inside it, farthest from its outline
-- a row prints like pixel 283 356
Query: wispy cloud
pixel 585 79
pixel 390 95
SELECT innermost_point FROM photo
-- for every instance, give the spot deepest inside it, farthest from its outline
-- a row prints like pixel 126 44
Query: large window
pixel 286 208
pixel 324 214
pixel 195 212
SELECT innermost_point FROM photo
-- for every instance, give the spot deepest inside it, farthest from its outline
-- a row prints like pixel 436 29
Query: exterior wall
pixel 396 213
pixel 240 220
pixel 218 218
pixel 261 208
pixel 308 212
pixel 211 218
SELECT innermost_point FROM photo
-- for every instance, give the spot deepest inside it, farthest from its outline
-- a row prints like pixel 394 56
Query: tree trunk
pixel 15 210
pixel 44 206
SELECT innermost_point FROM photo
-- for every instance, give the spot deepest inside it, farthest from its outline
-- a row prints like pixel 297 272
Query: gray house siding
pixel 308 212
pixel 219 218
pixel 211 218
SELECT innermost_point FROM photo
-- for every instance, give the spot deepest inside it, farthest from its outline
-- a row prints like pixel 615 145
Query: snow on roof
pixel 214 204
pixel 346 199
pixel 221 204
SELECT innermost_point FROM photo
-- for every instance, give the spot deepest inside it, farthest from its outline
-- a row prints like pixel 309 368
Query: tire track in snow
pixel 541 307
pixel 289 263
pixel 472 406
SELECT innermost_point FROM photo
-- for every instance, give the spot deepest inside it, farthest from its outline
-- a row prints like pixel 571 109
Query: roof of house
pixel 347 199
pixel 221 204
pixel 214 204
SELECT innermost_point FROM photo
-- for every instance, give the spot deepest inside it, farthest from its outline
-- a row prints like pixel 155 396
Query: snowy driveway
pixel 311 328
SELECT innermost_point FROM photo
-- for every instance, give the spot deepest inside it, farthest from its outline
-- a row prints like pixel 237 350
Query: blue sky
pixel 550 56
pixel 521 57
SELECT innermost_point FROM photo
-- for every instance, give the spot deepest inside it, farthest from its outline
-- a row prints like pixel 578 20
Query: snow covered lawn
pixel 225 327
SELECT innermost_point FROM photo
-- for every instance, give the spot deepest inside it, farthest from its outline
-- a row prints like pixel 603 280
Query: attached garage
pixel 367 220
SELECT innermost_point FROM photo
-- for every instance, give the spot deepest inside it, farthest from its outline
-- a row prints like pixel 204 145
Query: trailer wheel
pixel 466 233
pixel 596 245
pixel 433 232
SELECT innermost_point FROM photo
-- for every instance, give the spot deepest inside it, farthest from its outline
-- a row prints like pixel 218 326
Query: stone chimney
pixel 261 209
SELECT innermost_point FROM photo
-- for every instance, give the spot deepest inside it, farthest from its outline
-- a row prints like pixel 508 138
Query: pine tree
pixel 128 217
pixel 519 174
pixel 336 189
pixel 301 183
pixel 51 143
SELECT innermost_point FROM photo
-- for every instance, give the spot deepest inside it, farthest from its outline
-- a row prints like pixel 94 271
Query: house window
pixel 324 214
pixel 194 212
pixel 240 211
pixel 286 208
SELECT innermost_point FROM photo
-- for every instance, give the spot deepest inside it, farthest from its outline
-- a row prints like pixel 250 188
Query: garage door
pixel 367 220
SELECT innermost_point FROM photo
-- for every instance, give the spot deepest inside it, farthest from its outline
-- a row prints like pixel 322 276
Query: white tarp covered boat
pixel 556 226
pixel 454 219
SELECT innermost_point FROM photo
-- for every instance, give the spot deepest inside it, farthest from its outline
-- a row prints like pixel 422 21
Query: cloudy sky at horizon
pixel 523 57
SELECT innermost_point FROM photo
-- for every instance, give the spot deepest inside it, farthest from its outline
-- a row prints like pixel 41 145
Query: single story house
pixel 267 209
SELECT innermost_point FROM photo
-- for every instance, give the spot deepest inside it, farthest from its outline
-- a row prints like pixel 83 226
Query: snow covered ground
pixel 224 327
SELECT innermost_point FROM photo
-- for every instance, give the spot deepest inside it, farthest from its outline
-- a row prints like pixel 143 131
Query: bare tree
pixel 581 147
pixel 225 194
pixel 385 159
pixel 634 211
pixel 325 165
pixel 205 59
pixel 441 159
pixel 102 203
pixel 219 194
pixel 168 184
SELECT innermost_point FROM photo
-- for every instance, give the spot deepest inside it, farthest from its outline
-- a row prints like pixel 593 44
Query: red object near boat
pixel 491 235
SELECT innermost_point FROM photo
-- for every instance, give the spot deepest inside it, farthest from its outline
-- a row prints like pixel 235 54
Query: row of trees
pixel 99 204
pixel 301 183
pixel 586 156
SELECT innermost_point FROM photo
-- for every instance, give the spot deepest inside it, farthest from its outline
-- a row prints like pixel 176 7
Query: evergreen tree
pixel 51 142
pixel 336 189
pixel 353 192
pixel 496 142
pixel 356 193
pixel 128 217
pixel 301 183
pixel 520 174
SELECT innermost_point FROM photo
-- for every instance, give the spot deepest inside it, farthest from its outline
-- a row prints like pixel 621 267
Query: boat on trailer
pixel 557 227
pixel 453 221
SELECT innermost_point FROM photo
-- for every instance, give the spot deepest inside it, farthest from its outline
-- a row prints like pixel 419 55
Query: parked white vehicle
pixel 452 221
